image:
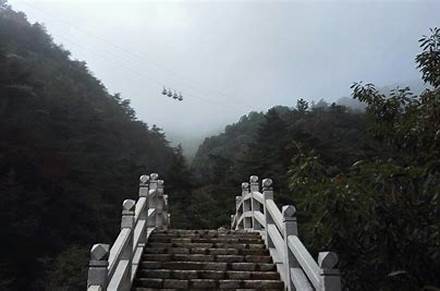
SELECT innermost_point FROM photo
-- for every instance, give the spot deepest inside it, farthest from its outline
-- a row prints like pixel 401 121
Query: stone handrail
pixel 257 211
pixel 114 268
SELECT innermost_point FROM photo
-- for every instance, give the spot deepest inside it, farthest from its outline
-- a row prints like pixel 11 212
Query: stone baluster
pixel 267 195
pixel 255 205
pixel 290 228
pixel 127 221
pixel 143 216
pixel 247 221
pixel 152 198
pixel 97 273
pixel 330 276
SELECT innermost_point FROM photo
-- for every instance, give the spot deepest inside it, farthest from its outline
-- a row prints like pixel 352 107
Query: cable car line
pixel 135 55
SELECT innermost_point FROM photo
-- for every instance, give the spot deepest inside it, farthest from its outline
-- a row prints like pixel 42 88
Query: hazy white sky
pixel 230 57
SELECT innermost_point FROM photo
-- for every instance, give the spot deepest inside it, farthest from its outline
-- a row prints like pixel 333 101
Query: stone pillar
pixel 290 228
pixel 255 205
pixel 165 215
pixel 330 277
pixel 127 222
pixel 247 221
pixel 267 195
pixel 152 198
pixel 97 273
pixel 160 204
pixel 143 216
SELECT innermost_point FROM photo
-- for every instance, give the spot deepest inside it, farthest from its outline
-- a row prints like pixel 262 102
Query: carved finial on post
pixel 237 201
pixel 143 179
pixel 97 273
pixel 153 198
pixel 127 222
pixel 253 181
pixel 246 205
pixel 255 205
pixel 244 188
pixel 143 185
pixel 154 176
pixel 160 204
pixel 289 228
pixel 267 195
pixel 267 187
pixel 128 208
pixel 330 276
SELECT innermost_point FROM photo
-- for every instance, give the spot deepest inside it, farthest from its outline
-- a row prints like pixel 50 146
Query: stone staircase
pixel 206 260
pixel 147 256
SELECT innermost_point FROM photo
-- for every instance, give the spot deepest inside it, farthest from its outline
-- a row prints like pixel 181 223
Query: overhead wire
pixel 132 53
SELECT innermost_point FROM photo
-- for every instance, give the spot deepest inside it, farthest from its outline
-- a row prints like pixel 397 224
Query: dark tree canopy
pixel 69 153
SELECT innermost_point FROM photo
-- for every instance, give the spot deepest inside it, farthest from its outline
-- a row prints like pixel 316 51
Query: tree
pixel 381 214
pixel 302 105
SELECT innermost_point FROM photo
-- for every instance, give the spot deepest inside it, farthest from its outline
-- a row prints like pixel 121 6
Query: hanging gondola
pixel 172 94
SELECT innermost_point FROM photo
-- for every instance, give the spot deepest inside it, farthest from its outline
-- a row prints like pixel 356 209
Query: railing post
pixel 152 198
pixel 330 276
pixel 247 221
pixel 127 221
pixel 268 195
pixel 159 204
pixel 165 215
pixel 255 206
pixel 97 273
pixel 290 228
pixel 143 216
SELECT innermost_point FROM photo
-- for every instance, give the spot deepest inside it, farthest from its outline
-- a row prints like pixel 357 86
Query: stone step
pixel 219 266
pixel 166 239
pixel 205 251
pixel 201 236
pixel 208 274
pixel 194 289
pixel 207 258
pixel 208 284
pixel 206 233
pixel 191 245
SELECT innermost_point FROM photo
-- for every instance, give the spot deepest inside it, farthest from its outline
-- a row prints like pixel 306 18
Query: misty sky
pixel 229 57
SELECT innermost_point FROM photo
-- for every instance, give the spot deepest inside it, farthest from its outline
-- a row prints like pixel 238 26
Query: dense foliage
pixel 366 183
pixel 265 143
pixel 382 214
pixel 70 152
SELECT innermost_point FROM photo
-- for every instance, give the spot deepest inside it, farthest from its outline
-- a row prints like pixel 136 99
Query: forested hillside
pixel 70 152
pixel 365 183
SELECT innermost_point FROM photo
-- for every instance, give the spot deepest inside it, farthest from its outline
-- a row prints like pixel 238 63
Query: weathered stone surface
pixel 176 284
pixel 206 259
pixel 203 283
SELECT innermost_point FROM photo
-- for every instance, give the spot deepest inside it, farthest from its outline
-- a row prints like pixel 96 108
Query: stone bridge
pixel 261 251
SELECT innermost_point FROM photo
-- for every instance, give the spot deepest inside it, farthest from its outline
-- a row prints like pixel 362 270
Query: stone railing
pixel 257 211
pixel 114 268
